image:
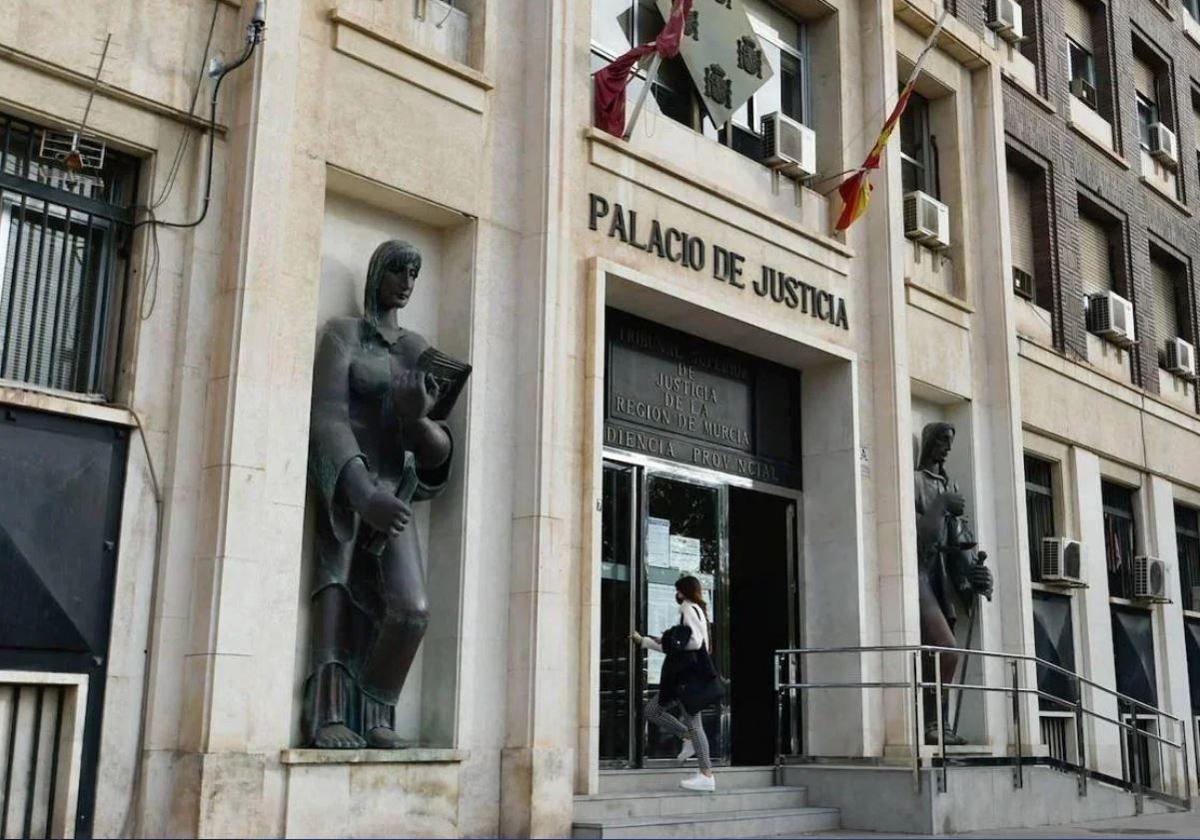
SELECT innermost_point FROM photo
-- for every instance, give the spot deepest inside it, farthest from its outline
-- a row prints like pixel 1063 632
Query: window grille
pixel 62 266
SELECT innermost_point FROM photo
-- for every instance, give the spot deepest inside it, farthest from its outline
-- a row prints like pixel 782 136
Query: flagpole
pixel 651 73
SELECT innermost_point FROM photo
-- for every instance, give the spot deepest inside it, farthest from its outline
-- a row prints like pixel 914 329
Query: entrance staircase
pixel 650 803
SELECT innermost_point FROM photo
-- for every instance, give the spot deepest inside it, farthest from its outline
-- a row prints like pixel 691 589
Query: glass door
pixel 617 603
pixel 683 533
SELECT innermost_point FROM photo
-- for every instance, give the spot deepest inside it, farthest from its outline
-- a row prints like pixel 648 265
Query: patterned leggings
pixel 672 724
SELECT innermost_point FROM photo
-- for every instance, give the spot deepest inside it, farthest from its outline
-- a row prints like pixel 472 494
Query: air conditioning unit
pixel 1061 561
pixel 1004 17
pixel 1149 579
pixel 788 145
pixel 1111 316
pixel 1022 283
pixel 1083 89
pixel 1180 357
pixel 926 220
pixel 1163 145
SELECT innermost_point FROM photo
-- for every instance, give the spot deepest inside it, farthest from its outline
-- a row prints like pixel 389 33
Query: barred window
pixel 1039 510
pixel 1120 538
pixel 1187 543
pixel 61 267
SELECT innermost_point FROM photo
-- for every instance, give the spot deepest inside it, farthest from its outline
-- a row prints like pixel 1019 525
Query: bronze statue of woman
pixel 949 566
pixel 371 406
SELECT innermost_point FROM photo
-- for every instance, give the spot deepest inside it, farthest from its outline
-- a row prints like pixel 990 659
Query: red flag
pixel 610 81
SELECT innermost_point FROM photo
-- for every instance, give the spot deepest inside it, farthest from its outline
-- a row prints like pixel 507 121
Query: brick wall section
pixel 1073 165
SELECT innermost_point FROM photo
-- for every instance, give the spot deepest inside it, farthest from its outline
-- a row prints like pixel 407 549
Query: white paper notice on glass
pixel 661 612
pixel 658 542
pixel 685 553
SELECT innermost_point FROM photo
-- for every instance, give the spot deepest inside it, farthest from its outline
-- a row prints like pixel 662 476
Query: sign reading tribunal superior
pixel 677 246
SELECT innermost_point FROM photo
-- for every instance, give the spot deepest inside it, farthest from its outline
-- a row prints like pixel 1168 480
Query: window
pixel 1187 544
pixel 1095 252
pixel 1039 510
pixel 1120 538
pixel 619 24
pixel 1168 297
pixel 783 41
pixel 1192 7
pixel 1196 123
pixel 61 273
pixel 918 153
pixel 1145 83
pixel 1080 52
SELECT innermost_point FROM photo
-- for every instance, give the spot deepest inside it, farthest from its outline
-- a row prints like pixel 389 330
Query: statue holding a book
pixel 378 444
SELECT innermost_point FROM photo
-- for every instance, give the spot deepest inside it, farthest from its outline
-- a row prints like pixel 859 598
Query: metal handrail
pixel 986 653
pixel 917 686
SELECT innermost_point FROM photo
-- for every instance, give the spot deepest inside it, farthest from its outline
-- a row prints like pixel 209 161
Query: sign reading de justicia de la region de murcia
pixel 725 264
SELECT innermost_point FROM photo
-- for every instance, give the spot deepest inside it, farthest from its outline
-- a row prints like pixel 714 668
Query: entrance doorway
pixel 661 522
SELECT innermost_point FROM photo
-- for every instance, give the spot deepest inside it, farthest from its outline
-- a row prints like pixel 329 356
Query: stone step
pixel 608 806
pixel 771 822
pixel 668 779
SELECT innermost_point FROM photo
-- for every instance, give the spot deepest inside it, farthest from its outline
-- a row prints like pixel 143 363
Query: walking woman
pixel 688 677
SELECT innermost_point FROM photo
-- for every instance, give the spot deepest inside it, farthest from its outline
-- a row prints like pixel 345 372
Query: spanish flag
pixel 856 190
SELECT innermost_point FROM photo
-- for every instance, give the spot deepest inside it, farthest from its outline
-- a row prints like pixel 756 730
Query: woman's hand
pixel 413 394
pixel 636 638
pixel 383 511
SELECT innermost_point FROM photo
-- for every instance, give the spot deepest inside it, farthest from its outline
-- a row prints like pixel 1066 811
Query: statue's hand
pixel 955 504
pixel 413 394
pixel 980 575
pixel 385 512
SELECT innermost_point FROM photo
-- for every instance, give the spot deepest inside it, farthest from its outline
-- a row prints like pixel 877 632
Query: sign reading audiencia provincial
pixel 725 265
pixel 675 396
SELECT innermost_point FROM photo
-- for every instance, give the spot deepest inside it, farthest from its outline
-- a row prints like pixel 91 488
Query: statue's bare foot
pixel 337 736
pixel 383 738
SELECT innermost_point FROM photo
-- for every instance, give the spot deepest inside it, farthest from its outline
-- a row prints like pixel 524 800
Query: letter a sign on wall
pixel 722 54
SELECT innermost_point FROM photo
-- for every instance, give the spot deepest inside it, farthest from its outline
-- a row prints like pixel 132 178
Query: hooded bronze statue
pixel 371 433
pixel 950 568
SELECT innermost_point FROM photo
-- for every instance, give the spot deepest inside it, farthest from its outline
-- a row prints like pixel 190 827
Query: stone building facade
pixel 177 569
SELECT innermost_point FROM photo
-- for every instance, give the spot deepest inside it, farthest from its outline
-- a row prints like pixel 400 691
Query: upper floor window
pixel 1095 251
pixel 619 24
pixel 1039 509
pixel 1029 226
pixel 783 40
pixel 1081 51
pixel 1168 297
pixel 918 153
pixel 1120 538
pixel 1192 7
pixel 62 266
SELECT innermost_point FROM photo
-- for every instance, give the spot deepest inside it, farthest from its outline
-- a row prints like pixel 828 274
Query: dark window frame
pixel 1187 545
pixel 921 161
pixel 1039 509
pixel 1119 506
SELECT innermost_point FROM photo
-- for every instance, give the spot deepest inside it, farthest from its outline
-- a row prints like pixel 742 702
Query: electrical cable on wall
pixel 254 37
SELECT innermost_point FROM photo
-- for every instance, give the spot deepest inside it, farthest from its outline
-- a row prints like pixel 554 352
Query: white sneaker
pixel 700 782
pixel 688 751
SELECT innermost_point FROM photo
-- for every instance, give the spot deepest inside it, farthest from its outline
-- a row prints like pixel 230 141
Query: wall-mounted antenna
pixel 74 151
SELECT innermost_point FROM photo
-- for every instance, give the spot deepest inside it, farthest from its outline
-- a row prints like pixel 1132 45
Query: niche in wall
pixel 358 216
pixel 932 405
